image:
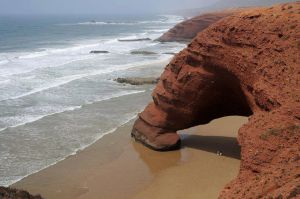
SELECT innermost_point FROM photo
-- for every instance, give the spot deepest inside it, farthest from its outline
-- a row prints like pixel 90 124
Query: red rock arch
pixel 245 64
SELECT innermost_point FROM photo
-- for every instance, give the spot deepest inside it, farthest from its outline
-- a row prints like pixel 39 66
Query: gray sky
pixel 96 6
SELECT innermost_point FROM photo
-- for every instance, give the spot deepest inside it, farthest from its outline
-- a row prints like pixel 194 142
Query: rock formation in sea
pixel 246 64
pixel 134 40
pixel 137 80
pixel 142 52
pixel 9 193
pixel 99 52
pixel 187 30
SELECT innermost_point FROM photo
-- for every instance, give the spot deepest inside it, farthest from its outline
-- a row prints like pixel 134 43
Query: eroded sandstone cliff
pixel 187 30
pixel 246 64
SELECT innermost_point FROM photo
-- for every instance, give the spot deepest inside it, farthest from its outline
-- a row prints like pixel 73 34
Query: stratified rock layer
pixel 246 64
pixel 187 30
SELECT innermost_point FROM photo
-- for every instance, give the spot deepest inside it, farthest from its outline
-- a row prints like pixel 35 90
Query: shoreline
pixel 74 153
pixel 115 162
pixel 143 94
pixel 30 182
pixel 131 93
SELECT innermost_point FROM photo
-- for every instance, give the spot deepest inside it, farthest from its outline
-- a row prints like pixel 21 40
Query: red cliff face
pixel 246 64
pixel 187 30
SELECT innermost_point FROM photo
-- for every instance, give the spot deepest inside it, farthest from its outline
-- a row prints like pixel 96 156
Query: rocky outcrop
pixel 134 40
pixel 247 64
pixel 137 80
pixel 169 53
pixel 8 193
pixel 142 52
pixel 187 30
pixel 99 52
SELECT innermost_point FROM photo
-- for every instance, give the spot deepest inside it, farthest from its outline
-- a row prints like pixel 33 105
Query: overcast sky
pixel 96 6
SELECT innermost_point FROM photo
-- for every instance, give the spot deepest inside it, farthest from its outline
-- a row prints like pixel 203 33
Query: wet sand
pixel 115 167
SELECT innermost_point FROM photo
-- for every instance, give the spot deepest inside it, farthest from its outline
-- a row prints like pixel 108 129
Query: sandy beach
pixel 116 167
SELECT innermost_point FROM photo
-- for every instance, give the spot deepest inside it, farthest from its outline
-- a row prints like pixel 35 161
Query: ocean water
pixel 57 98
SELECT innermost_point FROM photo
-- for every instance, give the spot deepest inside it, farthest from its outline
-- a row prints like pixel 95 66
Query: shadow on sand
pixel 157 161
pixel 228 146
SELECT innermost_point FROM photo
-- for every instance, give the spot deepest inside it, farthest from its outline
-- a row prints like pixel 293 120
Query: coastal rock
pixel 133 40
pixel 99 52
pixel 137 80
pixel 169 53
pixel 142 52
pixel 9 193
pixel 188 29
pixel 247 64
